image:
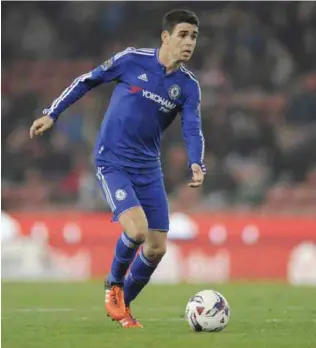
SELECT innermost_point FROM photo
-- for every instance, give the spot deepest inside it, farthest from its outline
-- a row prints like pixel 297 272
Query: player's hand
pixel 40 125
pixel 197 176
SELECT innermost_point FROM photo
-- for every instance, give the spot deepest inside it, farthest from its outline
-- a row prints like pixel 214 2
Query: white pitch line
pixel 136 308
pixel 153 319
pixel 283 320
pixel 83 309
pixel 42 310
pixel 100 309
pixel 162 319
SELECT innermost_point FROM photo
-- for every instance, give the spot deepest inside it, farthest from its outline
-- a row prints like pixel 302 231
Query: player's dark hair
pixel 174 17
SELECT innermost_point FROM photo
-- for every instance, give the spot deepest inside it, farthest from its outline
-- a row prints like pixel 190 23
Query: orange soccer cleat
pixel 114 301
pixel 129 321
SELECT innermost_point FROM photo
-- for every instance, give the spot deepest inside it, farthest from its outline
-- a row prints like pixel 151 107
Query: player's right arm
pixel 109 71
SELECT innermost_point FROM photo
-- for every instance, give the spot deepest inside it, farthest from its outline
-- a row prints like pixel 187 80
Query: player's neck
pixel 166 59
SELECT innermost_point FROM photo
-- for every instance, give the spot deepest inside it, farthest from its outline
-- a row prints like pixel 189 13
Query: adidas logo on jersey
pixel 143 77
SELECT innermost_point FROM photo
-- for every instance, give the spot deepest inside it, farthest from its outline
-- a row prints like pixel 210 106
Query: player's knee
pixel 138 231
pixel 138 235
pixel 154 252
pixel 135 224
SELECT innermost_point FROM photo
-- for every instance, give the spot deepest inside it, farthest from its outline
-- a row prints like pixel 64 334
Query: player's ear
pixel 165 36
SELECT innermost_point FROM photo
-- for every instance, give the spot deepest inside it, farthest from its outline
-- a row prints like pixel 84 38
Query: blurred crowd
pixel 256 63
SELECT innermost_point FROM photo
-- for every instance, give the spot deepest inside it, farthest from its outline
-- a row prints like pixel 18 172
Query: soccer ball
pixel 207 310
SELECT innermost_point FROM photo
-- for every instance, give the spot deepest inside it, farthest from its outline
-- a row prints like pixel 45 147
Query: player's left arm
pixel 193 135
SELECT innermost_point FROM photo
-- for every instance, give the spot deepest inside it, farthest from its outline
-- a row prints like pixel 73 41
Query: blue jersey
pixel 145 101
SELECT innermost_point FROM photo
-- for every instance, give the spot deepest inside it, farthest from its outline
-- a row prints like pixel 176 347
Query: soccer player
pixel 152 87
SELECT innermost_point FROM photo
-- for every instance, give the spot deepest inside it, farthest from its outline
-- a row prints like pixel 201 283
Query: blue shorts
pixel 124 189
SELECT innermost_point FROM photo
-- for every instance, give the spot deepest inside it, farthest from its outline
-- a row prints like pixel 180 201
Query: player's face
pixel 182 41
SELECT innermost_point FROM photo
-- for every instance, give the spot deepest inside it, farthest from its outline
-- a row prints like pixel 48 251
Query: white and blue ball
pixel 208 310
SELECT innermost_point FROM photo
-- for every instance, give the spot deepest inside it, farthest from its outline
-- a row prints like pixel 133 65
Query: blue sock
pixel 126 249
pixel 138 276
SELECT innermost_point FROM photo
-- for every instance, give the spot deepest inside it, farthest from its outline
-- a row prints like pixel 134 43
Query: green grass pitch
pixel 64 315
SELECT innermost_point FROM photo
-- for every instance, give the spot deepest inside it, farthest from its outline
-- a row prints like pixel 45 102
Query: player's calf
pixel 144 265
pixel 135 227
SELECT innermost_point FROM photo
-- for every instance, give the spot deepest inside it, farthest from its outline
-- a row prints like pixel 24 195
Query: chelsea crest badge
pixel 174 92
